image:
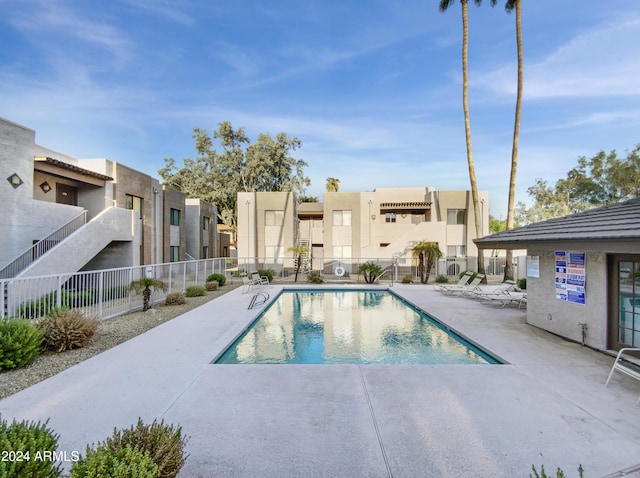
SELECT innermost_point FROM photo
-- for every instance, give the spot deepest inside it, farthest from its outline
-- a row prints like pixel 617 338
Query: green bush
pixel 473 275
pixel 33 444
pixel 175 298
pixel 211 285
pixel 20 343
pixel 66 329
pixel 266 272
pixel 164 444
pixel 442 279
pixel 195 291
pixel 407 279
pixel 43 306
pixel 370 271
pixel 559 472
pixel 217 277
pixel 315 277
pixel 125 462
pixel 522 283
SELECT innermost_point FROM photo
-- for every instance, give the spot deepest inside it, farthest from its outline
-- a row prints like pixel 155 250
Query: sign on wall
pixel 533 266
pixel 571 276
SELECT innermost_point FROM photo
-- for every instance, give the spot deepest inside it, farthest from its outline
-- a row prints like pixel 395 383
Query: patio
pixel 548 406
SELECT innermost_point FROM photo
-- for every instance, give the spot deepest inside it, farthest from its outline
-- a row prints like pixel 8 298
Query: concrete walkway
pixel 548 406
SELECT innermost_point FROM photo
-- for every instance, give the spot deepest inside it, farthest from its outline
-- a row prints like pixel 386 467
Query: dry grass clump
pixel 211 285
pixel 175 298
pixel 67 329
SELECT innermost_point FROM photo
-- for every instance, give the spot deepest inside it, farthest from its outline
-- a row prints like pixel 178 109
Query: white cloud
pixel 600 62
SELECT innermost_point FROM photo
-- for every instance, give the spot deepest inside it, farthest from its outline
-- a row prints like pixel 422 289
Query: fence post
pixel 100 293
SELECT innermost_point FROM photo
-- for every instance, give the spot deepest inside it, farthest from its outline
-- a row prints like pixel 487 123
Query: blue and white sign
pixel 571 276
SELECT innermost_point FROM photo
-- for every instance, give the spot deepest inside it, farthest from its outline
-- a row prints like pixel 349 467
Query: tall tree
pixel 333 184
pixel 510 6
pixel 218 176
pixel 444 5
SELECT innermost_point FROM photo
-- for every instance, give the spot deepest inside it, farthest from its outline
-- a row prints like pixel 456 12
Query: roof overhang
pixel 60 168
pixel 412 205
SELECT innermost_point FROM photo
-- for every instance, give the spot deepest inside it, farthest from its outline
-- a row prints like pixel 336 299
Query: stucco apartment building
pixel 353 227
pixel 63 214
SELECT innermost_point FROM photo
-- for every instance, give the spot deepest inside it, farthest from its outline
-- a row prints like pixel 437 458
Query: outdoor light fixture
pixel 373 217
pixel 15 181
pixel 46 187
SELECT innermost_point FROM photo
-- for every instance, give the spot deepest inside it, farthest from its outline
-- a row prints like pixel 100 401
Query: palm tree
pixel 144 285
pixel 333 185
pixel 298 252
pixel 510 6
pixel 428 253
pixel 444 5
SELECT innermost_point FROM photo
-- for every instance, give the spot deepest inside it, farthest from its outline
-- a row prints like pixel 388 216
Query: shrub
pixel 442 279
pixel 315 277
pixel 471 277
pixel 266 272
pixel 407 279
pixel 217 277
pixel 211 285
pixel 164 444
pixel 195 291
pixel 66 329
pixel 125 462
pixel 20 342
pixel 32 440
pixel 522 283
pixel 370 271
pixel 175 298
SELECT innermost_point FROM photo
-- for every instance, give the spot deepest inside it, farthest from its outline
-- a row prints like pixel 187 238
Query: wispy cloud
pixel 600 62
pixel 172 10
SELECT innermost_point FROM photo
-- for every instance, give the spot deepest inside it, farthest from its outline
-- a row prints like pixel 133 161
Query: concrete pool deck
pixel 548 406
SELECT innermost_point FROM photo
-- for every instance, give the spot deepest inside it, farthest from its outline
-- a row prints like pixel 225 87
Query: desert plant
pixel 175 298
pixel 26 444
pixel 219 278
pixel 67 329
pixel 315 277
pixel 20 343
pixel 211 285
pixel 144 285
pixel 370 271
pixel 266 272
pixel 125 462
pixel 442 279
pixel 407 279
pixel 559 472
pixel 522 283
pixel 164 443
pixel 471 277
pixel 195 291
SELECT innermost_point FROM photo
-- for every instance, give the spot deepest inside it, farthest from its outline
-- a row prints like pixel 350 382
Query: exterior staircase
pixel 303 260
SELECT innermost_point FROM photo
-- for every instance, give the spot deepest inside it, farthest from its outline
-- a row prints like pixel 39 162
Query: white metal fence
pixel 107 293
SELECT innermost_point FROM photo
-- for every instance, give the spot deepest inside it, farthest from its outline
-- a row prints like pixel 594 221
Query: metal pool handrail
pixel 264 296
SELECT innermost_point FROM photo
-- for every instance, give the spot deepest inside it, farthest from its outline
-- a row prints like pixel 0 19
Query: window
pixel 273 218
pixel 456 216
pixel 174 217
pixel 174 253
pixel 205 252
pixel 133 202
pixel 341 252
pixel 205 223
pixel 456 251
pixel 389 217
pixel 342 218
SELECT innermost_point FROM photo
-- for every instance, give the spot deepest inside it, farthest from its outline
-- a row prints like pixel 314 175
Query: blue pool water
pixel 356 326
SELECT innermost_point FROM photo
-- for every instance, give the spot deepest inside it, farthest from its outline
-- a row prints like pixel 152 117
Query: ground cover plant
pixel 20 343
pixel 27 448
pixel 211 285
pixel 195 291
pixel 67 329
pixel 175 298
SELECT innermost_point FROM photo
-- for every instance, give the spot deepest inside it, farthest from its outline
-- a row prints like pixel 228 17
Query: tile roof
pixel 72 167
pixel 615 221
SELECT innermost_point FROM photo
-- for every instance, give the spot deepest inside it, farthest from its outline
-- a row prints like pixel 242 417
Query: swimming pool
pixel 354 326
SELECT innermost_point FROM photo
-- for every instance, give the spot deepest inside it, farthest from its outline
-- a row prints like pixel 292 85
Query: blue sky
pixel 371 88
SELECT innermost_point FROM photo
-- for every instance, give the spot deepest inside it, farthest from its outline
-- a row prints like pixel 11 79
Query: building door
pixel 66 194
pixel 624 301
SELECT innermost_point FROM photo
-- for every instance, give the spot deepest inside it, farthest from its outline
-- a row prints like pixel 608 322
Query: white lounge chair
pixel 260 280
pixel 465 289
pixel 496 292
pixel 248 284
pixel 464 280
pixel 626 366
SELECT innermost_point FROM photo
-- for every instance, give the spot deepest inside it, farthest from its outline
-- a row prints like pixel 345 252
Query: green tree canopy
pixel 600 180
pixel 217 176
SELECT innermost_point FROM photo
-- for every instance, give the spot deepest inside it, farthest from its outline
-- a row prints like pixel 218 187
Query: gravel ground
pixel 111 332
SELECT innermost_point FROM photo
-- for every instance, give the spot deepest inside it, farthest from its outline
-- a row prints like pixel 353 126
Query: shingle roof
pixel 615 221
pixel 72 167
